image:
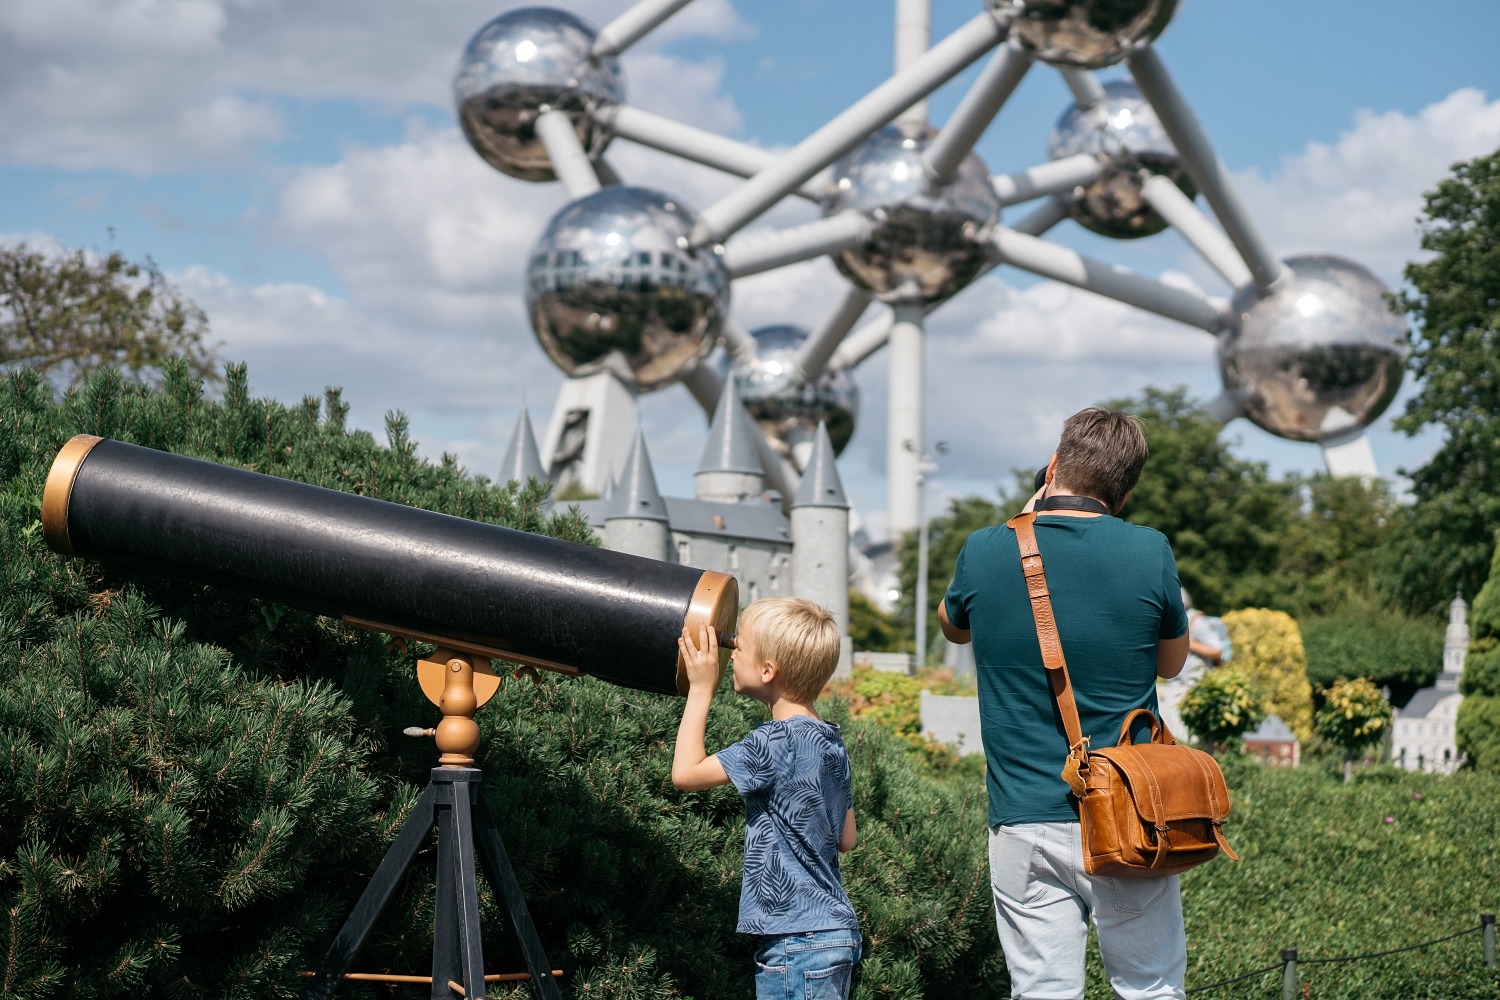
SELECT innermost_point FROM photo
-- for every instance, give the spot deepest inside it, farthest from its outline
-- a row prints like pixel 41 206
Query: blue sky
pixel 297 169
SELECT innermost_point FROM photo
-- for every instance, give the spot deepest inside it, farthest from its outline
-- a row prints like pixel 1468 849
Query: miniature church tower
pixel 636 521
pixel 730 470
pixel 820 540
pixel 522 461
pixel 1424 731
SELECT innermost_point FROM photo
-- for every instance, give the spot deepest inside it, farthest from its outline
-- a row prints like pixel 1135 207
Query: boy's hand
pixel 700 659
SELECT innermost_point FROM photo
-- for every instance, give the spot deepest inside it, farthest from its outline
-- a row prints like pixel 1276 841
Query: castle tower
pixel 730 470
pixel 820 540
pixel 637 518
pixel 522 461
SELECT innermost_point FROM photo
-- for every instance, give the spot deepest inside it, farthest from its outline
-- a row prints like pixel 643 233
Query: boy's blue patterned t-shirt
pixel 794 778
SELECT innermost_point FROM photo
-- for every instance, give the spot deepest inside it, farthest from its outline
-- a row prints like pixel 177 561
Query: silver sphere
pixel 1086 34
pixel 929 241
pixel 1123 131
pixel 521 63
pixel 1321 356
pixel 787 410
pixel 613 284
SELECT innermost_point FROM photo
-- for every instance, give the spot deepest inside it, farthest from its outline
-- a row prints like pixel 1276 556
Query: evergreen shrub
pixel 195 786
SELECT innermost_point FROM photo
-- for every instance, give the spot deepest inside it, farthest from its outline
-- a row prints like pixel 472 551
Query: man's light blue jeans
pixel 811 966
pixel 1043 902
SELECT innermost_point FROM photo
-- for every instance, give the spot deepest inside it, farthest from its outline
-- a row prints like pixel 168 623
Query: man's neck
pixel 1055 489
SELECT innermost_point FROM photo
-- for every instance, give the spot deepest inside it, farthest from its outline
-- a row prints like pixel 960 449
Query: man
pixel 1119 612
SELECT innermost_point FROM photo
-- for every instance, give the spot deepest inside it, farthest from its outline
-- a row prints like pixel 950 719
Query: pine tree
pixel 1478 726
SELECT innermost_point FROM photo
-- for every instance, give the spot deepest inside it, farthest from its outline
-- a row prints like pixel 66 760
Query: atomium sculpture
pixel 629 291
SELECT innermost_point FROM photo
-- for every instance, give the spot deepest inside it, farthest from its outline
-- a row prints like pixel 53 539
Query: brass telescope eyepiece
pixel 729 640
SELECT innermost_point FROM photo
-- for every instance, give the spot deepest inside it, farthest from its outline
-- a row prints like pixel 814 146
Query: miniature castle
pixel 1423 733
pixel 731 524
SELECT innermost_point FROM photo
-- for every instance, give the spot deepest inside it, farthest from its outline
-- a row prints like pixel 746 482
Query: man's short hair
pixel 1101 454
pixel 800 637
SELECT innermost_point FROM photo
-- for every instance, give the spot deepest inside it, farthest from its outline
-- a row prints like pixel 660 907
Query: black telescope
pixel 477 588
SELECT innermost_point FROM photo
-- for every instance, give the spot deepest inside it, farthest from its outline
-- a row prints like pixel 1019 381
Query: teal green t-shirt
pixel 1115 594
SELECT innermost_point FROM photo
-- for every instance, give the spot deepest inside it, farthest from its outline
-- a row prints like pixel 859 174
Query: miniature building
pixel 731 524
pixel 1274 743
pixel 1423 732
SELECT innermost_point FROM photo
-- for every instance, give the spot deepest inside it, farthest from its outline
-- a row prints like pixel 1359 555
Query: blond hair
pixel 800 637
pixel 1101 454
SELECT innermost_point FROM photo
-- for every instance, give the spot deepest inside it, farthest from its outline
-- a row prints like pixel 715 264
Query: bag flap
pixel 1171 782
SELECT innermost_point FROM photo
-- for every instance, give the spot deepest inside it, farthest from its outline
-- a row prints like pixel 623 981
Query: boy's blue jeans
pixel 812 966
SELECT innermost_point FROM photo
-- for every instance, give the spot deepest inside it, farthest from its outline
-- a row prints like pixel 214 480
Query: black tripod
pixel 452 801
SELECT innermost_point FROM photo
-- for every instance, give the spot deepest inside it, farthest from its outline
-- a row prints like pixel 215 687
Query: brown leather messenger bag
pixel 1146 810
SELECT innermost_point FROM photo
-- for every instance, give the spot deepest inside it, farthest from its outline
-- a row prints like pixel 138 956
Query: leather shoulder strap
pixel 1046 629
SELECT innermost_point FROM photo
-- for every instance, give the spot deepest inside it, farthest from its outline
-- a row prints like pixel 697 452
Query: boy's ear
pixel 768 671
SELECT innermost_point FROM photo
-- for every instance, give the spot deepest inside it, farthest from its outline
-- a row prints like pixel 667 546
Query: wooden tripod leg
pixel 503 879
pixel 373 901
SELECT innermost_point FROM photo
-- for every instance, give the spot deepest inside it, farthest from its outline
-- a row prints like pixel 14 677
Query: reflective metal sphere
pixel 1124 132
pixel 1087 34
pixel 788 411
pixel 614 284
pixel 1321 356
pixel 520 63
pixel 929 242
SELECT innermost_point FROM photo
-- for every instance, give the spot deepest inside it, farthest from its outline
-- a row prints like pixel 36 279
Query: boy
pixel 793 774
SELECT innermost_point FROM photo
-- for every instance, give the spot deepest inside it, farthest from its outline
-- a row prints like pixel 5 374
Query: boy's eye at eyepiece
pixel 728 640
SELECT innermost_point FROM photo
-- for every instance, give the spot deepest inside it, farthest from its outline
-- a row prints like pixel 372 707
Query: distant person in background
pixel 1208 646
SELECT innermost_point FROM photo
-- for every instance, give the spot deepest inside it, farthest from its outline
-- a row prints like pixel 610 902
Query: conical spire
pixel 636 494
pixel 821 486
pixel 730 447
pixel 522 461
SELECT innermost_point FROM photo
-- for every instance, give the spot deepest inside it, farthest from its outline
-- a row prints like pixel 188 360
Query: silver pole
pixel 862 342
pixel 919 600
pixel 812 359
pixel 997 81
pixel 757 252
pixel 1054 177
pixel 1203 164
pixel 1212 245
pixel 904 416
pixel 705 385
pixel 1046 215
pixel 937 66
pixel 695 145
pixel 1224 407
pixel 569 161
pixel 633 25
pixel 1086 88
pixel 738 342
pixel 1111 280
pixel 913 36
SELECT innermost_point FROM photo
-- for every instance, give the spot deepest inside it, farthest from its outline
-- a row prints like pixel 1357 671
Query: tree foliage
pixel 1268 650
pixel 68 315
pixel 1364 636
pixel 1454 305
pixel 1478 726
pixel 1353 715
pixel 1223 706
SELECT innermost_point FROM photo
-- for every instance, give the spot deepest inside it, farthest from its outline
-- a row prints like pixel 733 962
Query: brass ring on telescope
pixel 716 602
pixel 59 490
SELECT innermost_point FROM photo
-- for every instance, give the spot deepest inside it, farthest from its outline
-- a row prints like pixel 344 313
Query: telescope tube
pixel 479 588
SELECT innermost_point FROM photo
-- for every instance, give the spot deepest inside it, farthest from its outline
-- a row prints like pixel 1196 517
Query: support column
pixel 904 409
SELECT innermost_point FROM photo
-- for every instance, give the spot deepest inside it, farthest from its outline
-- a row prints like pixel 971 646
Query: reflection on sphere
pixel 788 410
pixel 516 65
pixel 929 242
pixel 614 284
pixel 1086 34
pixel 1123 131
pixel 1319 357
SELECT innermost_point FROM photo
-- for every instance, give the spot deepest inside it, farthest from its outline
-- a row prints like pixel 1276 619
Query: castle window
pixel 684 552
pixel 734 557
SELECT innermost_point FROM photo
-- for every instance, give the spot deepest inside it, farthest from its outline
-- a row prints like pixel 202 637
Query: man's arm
pixel 1171 654
pixel 692 768
pixel 961 636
